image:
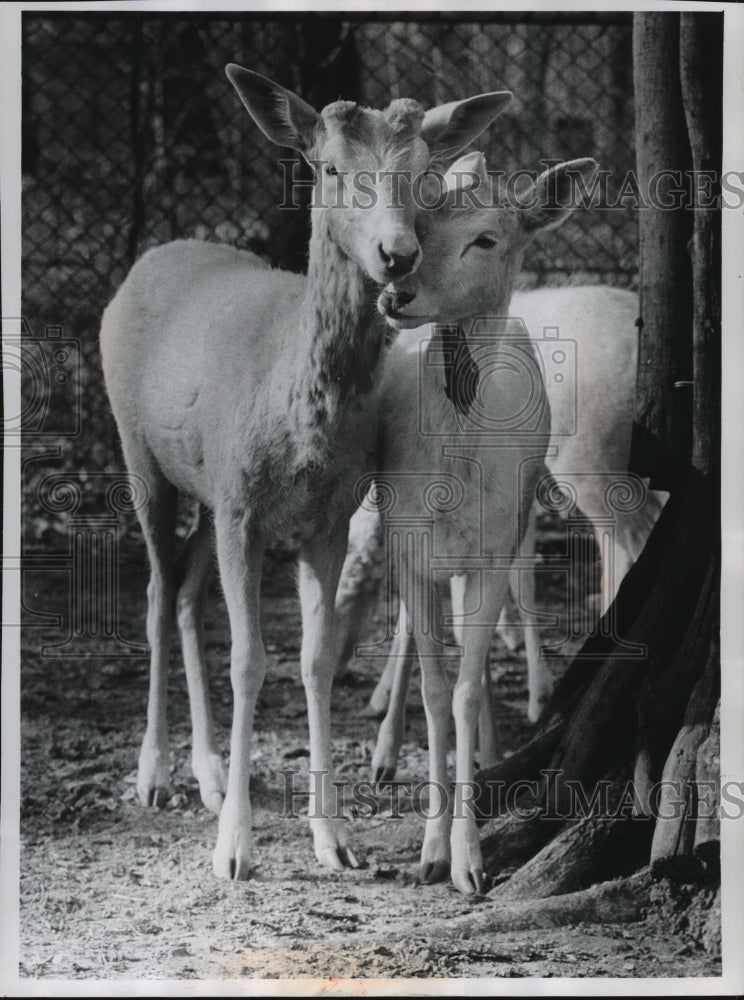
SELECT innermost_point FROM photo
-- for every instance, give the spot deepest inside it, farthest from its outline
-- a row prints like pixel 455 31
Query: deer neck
pixel 462 344
pixel 344 336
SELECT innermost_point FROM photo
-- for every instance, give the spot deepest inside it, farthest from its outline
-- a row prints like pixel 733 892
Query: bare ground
pixel 115 892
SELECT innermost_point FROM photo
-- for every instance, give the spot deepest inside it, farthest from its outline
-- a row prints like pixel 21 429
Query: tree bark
pixel 662 440
pixel 620 901
pixel 707 846
pixel 669 680
pixel 586 851
pixel 674 834
pixel 701 68
pixel 514 838
pixel 524 765
pixel 592 711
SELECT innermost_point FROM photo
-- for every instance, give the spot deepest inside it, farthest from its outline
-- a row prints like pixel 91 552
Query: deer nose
pixel 391 301
pixel 400 299
pixel 398 264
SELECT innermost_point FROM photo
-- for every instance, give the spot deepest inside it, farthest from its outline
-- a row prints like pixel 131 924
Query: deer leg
pixel 539 678
pixel 632 529
pixel 320 566
pixel 424 610
pixel 357 594
pixel 400 647
pixel 608 552
pixel 488 751
pixel 239 552
pixel 158 520
pixel 509 625
pixel 487 740
pixel 353 616
pixel 399 667
pixel 484 592
pixel 380 698
pixel 486 730
pixel 196 570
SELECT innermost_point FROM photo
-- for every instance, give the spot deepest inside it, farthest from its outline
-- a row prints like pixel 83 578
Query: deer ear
pixel 466 173
pixel 281 115
pixel 449 128
pixel 552 197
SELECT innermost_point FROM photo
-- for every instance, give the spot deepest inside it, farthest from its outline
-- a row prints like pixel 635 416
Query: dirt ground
pixel 112 891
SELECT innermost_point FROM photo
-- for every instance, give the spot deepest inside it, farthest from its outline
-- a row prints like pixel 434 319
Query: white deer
pixel 588 452
pixel 592 412
pixel 466 411
pixel 251 389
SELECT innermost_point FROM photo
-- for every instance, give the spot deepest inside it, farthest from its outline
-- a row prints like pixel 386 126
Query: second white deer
pixel 489 444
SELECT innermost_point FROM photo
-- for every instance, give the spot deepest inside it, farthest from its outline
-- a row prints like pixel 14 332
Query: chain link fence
pixel 132 136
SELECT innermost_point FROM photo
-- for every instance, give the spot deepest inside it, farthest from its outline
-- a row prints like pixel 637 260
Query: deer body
pixel 265 433
pixel 252 389
pixel 465 531
pixel 589 433
pixel 460 462
pixel 591 419
pixel 592 425
pixel 470 263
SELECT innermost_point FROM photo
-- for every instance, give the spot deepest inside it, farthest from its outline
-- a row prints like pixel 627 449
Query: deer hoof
pixel 431 872
pixel 331 857
pixel 347 858
pixel 331 846
pixel 383 774
pixel 153 775
pixel 153 798
pixel 467 881
pixel 235 867
pixel 479 881
pixel 234 848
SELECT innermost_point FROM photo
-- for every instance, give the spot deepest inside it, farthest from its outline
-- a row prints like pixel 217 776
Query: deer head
pixel 474 240
pixel 366 163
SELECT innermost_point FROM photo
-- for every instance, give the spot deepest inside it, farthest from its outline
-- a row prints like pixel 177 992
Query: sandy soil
pixel 112 891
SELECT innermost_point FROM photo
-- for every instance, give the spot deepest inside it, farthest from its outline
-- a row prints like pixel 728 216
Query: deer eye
pixel 486 241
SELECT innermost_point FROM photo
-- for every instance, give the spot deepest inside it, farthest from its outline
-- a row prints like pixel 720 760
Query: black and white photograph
pixel 373 546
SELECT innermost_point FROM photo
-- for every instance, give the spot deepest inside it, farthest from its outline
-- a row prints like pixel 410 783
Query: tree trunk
pixel 620 901
pixel 674 834
pixel 664 398
pixel 592 714
pixel 586 851
pixel 707 845
pixel 665 690
pixel 512 839
pixel 701 69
